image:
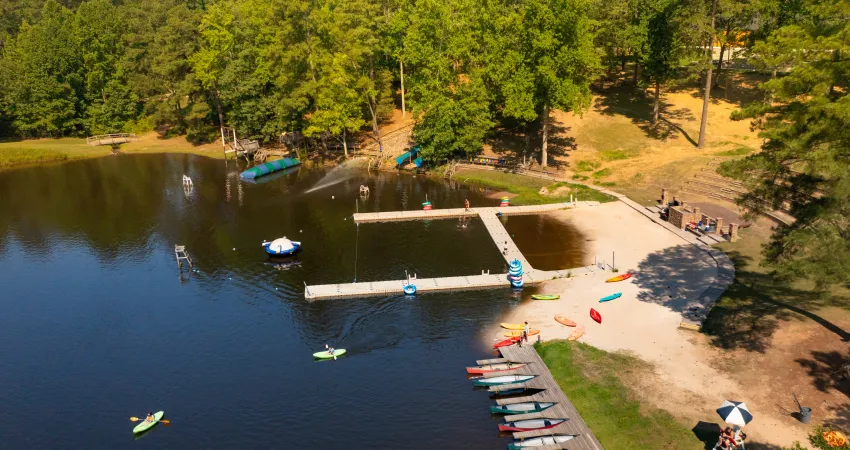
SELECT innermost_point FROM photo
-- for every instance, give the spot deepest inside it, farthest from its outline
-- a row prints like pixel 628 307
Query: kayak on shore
pixel 531 332
pixel 545 296
pixel 521 408
pixel 611 297
pixel 512 326
pixel 531 424
pixel 511 341
pixel 564 321
pixel 507 379
pixel 622 277
pixel 540 441
pixel 488 368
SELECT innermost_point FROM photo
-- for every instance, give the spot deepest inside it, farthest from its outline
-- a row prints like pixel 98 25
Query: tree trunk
pixel 220 115
pixel 544 157
pixel 657 106
pixel 527 142
pixel 637 74
pixel 719 64
pixel 401 71
pixel 623 62
pixel 707 95
pixel 372 103
pixel 344 144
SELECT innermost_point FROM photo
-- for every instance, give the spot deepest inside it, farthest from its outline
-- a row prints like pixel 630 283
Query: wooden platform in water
pixel 501 238
pixel 553 393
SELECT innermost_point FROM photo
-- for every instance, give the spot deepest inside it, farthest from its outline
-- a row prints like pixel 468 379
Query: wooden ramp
pixel 553 393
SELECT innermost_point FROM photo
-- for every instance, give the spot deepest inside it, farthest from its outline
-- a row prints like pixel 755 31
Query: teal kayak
pixel 147 424
pixel 326 355
pixel 611 297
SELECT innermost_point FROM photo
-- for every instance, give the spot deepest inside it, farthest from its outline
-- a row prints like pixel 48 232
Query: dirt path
pixel 644 321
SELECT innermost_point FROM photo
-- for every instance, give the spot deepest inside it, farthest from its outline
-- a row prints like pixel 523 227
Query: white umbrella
pixel 735 413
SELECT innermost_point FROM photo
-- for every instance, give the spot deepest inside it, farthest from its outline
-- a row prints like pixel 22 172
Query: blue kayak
pixel 611 297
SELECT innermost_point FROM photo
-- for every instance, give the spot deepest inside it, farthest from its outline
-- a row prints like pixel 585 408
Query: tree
pixel 804 159
pixel 210 60
pixel 338 104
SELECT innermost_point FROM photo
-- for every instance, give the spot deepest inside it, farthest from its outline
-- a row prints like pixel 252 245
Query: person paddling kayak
pixel 150 417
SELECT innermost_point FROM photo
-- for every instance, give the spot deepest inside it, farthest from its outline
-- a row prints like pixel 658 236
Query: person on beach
pixel 525 330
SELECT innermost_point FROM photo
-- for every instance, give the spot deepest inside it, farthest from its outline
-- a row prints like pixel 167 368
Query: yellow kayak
pixel 512 326
pixel 531 332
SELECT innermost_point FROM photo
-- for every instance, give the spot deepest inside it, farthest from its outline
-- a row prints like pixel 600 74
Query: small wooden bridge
pixel 111 139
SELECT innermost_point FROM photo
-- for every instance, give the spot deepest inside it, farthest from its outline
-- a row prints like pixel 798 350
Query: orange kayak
pixel 531 332
pixel 622 277
pixel 577 333
pixel 564 321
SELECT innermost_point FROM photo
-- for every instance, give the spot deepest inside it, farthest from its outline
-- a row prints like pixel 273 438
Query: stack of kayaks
pixel 554 439
pixel 515 273
pixel 427 206
pixel 505 201
pixel 521 408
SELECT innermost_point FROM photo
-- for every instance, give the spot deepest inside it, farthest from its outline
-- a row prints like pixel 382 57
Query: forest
pixel 335 69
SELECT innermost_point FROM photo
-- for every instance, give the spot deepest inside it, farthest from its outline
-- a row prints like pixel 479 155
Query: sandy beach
pixel 668 272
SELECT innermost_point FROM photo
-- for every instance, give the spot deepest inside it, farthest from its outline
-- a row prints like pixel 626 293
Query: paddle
pixel 334 355
pixel 162 421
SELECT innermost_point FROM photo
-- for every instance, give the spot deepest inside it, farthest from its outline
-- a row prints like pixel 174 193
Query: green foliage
pixel 818 442
pixel 528 188
pixel 616 155
pixel 602 173
pixel 10 156
pixel 803 162
pixel 587 165
pixel 740 151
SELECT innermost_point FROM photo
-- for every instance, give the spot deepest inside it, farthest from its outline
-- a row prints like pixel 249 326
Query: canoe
pixel 521 408
pixel 576 334
pixel 505 379
pixel 540 441
pixel 325 354
pixel 488 368
pixel 531 424
pixel 546 297
pixel 594 314
pixel 611 297
pixel 564 321
pixel 515 391
pixel 512 326
pixel 622 277
pixel 531 332
pixel 506 342
pixel 146 424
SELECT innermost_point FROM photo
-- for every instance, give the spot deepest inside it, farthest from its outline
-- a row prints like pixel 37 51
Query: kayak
pixel 515 391
pixel 611 297
pixel 506 342
pixel 325 354
pixel 147 424
pixel 512 326
pixel 501 367
pixel 531 332
pixel 521 408
pixel 546 297
pixel 564 321
pixel 622 277
pixel 577 333
pixel 540 441
pixel 594 314
pixel 506 379
pixel 531 424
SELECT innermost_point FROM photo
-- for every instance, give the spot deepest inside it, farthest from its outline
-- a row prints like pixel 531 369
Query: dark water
pixel 97 326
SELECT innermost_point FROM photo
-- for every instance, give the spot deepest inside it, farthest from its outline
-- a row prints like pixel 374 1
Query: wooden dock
pixel 552 393
pixel 500 236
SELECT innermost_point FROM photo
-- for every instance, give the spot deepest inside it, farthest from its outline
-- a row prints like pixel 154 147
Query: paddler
pixel 150 417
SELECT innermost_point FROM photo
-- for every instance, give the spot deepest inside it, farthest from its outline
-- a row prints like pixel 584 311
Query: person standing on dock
pixel 525 330
pixel 466 205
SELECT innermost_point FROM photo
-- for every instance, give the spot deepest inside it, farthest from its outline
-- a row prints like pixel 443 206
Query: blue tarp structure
pixel 418 162
pixel 407 155
pixel 269 167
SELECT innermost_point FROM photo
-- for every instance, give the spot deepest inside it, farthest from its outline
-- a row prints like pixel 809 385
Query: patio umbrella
pixel 735 413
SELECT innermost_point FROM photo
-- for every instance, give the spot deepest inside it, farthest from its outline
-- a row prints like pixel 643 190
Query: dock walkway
pixel 552 393
pixel 500 236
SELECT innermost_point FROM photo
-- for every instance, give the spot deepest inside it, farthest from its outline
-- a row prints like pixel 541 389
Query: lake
pixel 98 324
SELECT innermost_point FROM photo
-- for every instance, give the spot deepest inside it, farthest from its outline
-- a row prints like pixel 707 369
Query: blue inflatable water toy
pixel 281 247
pixel 410 289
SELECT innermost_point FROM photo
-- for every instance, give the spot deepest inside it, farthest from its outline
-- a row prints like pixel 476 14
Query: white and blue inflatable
pixel 281 247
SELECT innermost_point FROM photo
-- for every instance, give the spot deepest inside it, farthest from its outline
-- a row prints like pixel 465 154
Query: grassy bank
pixel 527 189
pixel 591 378
pixel 37 151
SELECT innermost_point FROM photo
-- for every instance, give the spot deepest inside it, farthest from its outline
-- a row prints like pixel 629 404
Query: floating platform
pixel 269 167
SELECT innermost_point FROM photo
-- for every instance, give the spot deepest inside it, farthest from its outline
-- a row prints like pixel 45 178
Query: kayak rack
pixel 181 255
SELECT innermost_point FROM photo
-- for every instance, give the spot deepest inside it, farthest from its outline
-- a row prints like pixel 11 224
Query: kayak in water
pixel 327 355
pixel 147 424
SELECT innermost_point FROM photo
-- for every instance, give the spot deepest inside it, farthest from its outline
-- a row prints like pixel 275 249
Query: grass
pixel 740 151
pixel 17 155
pixel 527 189
pixel 591 379
pixel 587 165
pixel 602 173
pixel 616 155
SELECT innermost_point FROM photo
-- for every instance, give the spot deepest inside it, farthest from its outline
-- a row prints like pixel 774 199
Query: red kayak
pixel 594 314
pixel 531 424
pixel 507 342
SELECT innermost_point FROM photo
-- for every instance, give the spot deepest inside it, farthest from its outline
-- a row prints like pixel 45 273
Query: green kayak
pixel 326 355
pixel 546 297
pixel 146 425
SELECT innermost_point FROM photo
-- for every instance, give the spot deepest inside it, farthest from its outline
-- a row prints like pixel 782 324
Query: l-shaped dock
pixel 501 238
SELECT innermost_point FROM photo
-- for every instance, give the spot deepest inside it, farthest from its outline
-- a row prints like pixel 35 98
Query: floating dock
pixel 269 167
pixel 585 439
pixel 500 236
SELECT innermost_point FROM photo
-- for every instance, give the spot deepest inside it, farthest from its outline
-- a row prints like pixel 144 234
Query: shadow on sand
pixel 675 276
